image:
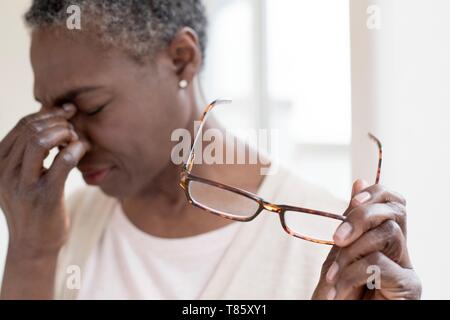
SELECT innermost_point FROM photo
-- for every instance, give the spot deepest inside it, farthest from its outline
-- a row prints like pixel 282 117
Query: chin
pixel 113 188
pixel 115 191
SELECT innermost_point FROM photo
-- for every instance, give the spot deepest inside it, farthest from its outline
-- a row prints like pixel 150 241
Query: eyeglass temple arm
pixel 380 156
pixel 191 157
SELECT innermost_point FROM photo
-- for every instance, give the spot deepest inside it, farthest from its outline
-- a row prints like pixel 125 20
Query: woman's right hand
pixel 32 197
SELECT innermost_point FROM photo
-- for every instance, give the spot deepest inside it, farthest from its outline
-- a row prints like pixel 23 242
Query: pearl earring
pixel 183 84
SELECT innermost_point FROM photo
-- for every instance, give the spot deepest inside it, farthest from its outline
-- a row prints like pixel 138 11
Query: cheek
pixel 138 135
pixel 110 134
pixel 156 127
pixel 111 142
pixel 134 143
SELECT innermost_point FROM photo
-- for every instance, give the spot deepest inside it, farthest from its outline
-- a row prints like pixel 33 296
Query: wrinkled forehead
pixel 62 60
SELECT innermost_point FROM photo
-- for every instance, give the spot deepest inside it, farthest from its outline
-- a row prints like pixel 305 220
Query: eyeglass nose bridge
pixel 271 207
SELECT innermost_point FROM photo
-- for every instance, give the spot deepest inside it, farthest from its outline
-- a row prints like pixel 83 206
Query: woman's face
pixel 126 111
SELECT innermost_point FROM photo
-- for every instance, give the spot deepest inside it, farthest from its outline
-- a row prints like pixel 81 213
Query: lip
pixel 95 175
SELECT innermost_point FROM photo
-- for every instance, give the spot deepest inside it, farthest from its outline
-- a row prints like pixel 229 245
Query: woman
pixel 111 94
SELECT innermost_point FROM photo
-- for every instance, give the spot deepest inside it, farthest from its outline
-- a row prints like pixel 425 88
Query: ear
pixel 184 51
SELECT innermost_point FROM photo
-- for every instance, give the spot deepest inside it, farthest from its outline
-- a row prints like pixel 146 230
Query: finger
pixel 376 272
pixel 43 124
pixel 358 186
pixel 64 162
pixel 387 239
pixel 332 255
pixel 377 194
pixel 380 194
pixel 364 218
pixel 66 112
pixel 27 123
pixel 356 277
pixel 7 143
pixel 38 148
pixel 13 162
pixel 58 116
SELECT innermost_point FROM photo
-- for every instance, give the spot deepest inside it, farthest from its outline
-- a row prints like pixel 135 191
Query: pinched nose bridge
pixel 272 207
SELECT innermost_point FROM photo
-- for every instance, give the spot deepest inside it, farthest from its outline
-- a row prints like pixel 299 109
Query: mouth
pixel 95 176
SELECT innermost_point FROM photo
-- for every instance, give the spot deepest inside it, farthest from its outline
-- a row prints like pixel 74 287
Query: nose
pixel 80 127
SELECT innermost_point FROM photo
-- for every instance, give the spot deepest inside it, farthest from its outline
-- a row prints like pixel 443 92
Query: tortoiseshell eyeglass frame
pixel 280 209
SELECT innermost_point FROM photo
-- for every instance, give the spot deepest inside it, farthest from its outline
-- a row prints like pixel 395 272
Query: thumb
pixel 323 288
pixel 64 162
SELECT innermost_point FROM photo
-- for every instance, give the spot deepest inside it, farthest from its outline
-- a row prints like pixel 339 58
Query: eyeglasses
pixel 239 205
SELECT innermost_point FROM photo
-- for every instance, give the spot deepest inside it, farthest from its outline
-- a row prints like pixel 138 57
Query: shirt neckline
pixel 206 242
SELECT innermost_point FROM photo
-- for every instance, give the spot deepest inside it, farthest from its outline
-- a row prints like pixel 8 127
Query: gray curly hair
pixel 140 27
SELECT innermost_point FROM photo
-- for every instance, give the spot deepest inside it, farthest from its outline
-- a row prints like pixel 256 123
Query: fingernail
pixel 68 107
pixel 71 155
pixel 68 157
pixel 331 294
pixel 343 232
pixel 332 272
pixel 362 197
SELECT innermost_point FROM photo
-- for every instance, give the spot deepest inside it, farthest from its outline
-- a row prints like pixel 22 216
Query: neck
pixel 162 210
pixel 165 212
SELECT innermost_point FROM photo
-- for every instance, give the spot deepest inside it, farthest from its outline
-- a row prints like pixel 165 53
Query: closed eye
pixel 97 110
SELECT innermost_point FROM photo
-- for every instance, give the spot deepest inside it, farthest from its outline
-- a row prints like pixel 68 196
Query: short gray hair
pixel 140 27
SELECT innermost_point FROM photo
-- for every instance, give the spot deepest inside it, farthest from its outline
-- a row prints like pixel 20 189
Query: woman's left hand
pixel 370 258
